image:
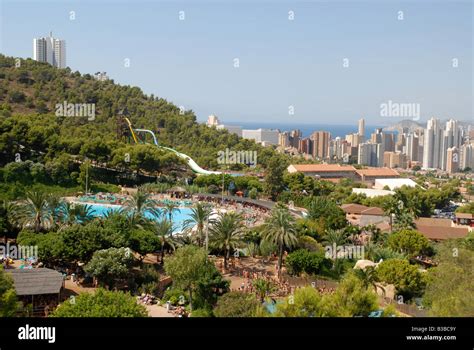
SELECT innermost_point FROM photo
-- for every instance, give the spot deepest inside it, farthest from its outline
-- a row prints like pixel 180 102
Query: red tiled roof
pixel 353 208
pixel 441 233
pixel 323 167
pixel 439 222
pixel 377 172
pixel 373 211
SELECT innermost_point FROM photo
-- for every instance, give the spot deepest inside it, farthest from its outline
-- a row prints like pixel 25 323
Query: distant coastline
pixel 307 129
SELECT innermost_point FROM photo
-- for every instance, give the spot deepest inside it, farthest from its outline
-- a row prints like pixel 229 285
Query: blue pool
pixel 100 210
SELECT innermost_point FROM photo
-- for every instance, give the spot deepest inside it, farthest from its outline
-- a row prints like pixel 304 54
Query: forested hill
pixel 30 91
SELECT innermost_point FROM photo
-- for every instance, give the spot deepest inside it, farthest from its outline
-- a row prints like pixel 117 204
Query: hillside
pixel 28 98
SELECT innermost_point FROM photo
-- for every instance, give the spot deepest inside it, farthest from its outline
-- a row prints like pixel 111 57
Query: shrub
pixel 303 260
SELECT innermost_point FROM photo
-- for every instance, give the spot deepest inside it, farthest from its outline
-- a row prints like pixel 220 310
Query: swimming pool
pixel 178 217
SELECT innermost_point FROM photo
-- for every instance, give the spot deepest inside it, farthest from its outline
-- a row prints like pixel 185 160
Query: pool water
pixel 178 216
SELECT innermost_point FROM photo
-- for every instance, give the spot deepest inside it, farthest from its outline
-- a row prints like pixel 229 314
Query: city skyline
pixel 174 59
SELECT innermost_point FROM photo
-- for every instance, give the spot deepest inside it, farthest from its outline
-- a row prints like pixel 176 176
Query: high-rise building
pixel 212 120
pixel 467 156
pixel 50 50
pixel 361 130
pixel 412 147
pixel 321 144
pixel 452 160
pixel 432 146
pixel 267 136
pixel 284 139
pixel 305 146
pixel 394 160
pixel 354 139
pixel 369 154
pixel 295 137
pixel 452 138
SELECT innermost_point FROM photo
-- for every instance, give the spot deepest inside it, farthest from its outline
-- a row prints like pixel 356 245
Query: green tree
pixel 143 242
pixel 226 233
pixel 302 260
pixel 236 304
pixel 280 229
pixel 263 288
pixel 163 229
pixel 110 265
pixel 274 177
pixel 34 211
pixel 102 303
pixel 327 213
pixel 408 242
pixel 9 305
pixel 138 205
pixel 407 279
pixel 449 291
pixel 351 298
pixel 305 302
pixel 198 218
pixel 169 209
pixel 187 267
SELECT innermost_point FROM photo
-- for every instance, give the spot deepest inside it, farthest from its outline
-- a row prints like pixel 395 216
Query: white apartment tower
pixel 433 141
pixel 362 129
pixel 50 50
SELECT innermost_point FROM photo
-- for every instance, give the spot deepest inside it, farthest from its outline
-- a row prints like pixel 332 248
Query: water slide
pixel 191 163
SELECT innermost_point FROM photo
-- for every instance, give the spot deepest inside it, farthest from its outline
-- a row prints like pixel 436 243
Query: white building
pixel 467 156
pixel 393 184
pixel 233 129
pixel 50 50
pixel 369 154
pixel 268 136
pixel 372 192
pixel 433 140
pixel 212 120
pixel 361 130
pixel 101 76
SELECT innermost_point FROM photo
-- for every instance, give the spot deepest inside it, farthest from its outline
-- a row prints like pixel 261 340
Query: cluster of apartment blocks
pixel 50 50
pixel 450 148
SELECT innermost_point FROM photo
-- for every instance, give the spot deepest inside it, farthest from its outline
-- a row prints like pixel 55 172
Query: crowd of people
pixel 252 213
pixel 147 299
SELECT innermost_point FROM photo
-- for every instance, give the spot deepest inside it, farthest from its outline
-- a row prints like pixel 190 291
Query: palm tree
pixel 164 230
pixel 404 221
pixel 368 276
pixel 169 209
pixel 280 229
pixel 72 213
pixel 7 218
pixel 262 288
pixel 35 211
pixel 390 207
pixel 199 217
pixel 138 205
pixel 334 239
pixel 227 233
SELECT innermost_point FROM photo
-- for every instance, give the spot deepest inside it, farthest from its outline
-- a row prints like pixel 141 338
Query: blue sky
pixel 282 63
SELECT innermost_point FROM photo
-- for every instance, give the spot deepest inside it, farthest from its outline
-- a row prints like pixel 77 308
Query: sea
pixel 307 129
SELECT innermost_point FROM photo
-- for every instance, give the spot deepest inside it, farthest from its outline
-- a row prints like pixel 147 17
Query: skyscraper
pixel 452 160
pixel 467 156
pixel 362 129
pixel 321 144
pixel 50 50
pixel 411 149
pixel 432 144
